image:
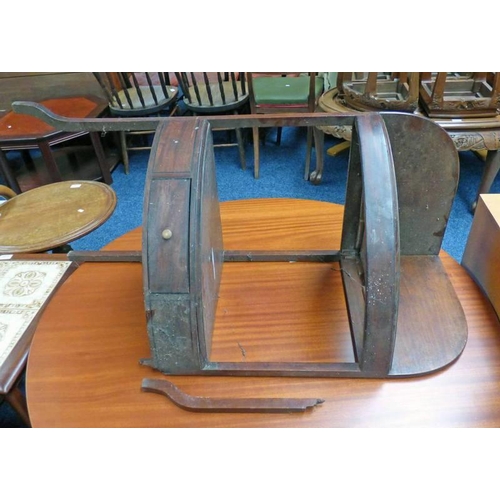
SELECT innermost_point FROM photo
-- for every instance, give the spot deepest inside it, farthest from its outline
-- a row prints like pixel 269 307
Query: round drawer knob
pixel 166 234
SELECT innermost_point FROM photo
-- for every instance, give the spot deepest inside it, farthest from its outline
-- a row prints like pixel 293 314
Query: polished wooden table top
pixel 54 214
pixel 84 371
pixel 17 128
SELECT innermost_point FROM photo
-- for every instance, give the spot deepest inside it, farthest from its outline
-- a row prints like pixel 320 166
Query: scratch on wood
pixel 243 352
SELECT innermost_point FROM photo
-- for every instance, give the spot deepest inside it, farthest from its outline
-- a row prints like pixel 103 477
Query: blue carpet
pixel 281 175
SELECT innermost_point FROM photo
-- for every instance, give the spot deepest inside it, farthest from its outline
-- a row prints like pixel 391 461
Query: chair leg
pixel 8 173
pixel 241 148
pixel 18 402
pixel 319 144
pixel 123 143
pixel 308 152
pixel 256 152
pixel 50 161
pixel 101 157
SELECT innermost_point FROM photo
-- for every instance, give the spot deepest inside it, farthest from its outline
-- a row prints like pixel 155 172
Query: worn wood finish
pixel 53 215
pixel 482 252
pixel 445 95
pixel 178 335
pixel 183 242
pixel 228 405
pixel 372 238
pixel 380 92
pixel 80 377
pixel 180 305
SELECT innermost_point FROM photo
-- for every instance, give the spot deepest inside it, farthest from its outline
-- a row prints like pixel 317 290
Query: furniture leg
pixel 50 161
pixel 123 144
pixel 101 159
pixel 308 153
pixel 319 141
pixel 241 148
pixel 491 168
pixel 18 402
pixel 256 160
pixel 9 176
pixel 28 160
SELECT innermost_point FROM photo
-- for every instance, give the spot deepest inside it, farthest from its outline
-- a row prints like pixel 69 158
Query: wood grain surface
pixel 53 215
pixel 84 371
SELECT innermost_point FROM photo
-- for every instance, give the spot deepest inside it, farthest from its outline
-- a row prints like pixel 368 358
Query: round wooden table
pixel 84 369
pixel 53 215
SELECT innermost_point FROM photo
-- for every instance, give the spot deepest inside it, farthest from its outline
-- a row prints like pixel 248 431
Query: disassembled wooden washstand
pixel 404 315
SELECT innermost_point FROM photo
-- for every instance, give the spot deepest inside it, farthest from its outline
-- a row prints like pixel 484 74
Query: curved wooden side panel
pixel 182 246
pixel 427 168
pixel 380 244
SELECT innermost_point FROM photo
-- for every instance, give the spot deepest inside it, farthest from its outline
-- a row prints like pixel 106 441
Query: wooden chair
pixel 284 93
pixel 132 94
pixel 216 93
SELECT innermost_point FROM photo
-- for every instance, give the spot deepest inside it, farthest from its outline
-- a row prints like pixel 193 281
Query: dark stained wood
pixel 372 238
pixel 180 305
pixel 79 377
pixel 175 153
pixel 168 211
pixel 380 225
pixel 207 256
pixel 228 405
pixel 188 208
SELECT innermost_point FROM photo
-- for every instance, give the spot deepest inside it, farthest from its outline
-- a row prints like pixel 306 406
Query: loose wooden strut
pixel 227 405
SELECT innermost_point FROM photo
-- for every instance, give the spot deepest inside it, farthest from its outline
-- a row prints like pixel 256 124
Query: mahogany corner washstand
pixel 404 315
pixel 405 318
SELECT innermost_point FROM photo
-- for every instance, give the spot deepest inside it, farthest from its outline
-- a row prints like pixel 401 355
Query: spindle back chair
pixel 216 93
pixel 137 94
